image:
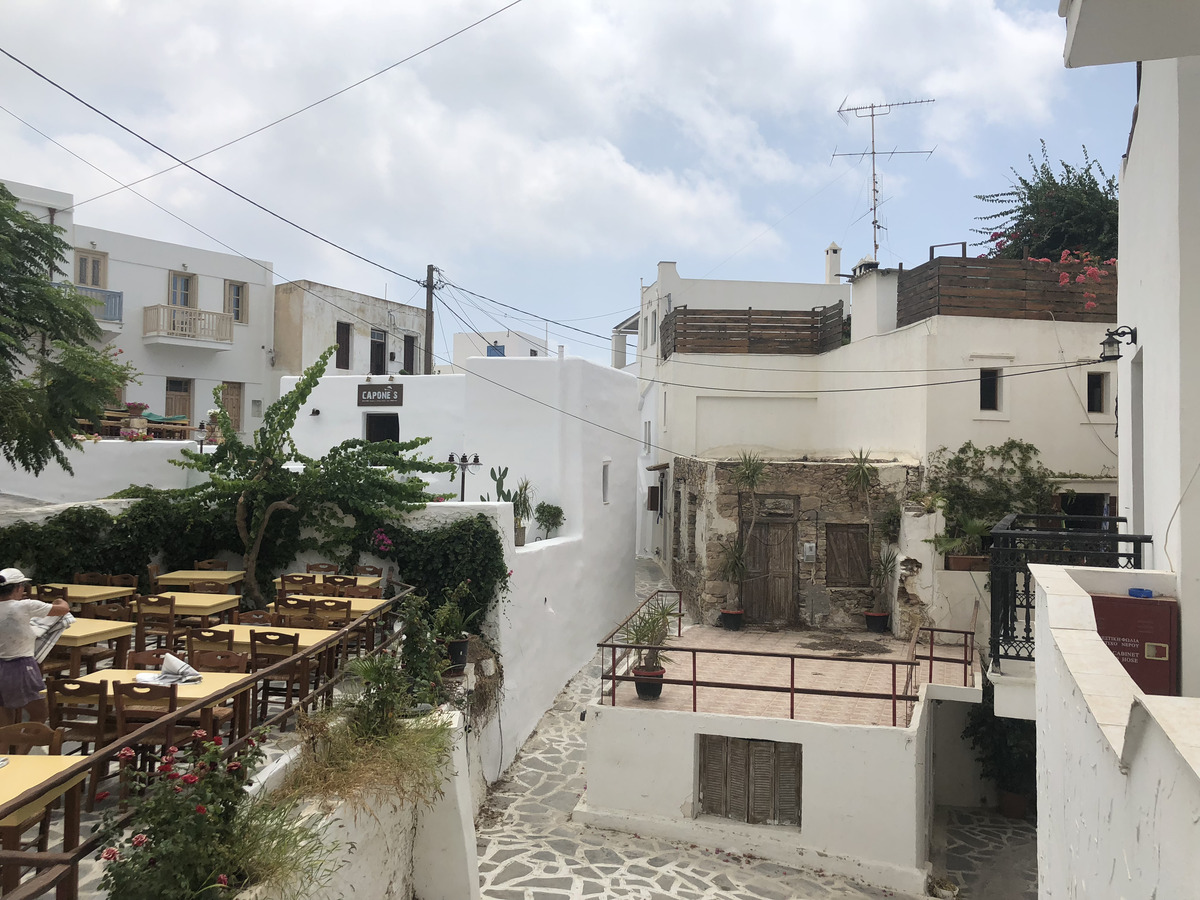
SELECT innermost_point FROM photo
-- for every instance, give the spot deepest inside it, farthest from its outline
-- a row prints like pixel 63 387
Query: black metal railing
pixel 1063 540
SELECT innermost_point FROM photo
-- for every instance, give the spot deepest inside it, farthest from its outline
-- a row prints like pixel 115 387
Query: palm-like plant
pixel 648 630
pixel 748 475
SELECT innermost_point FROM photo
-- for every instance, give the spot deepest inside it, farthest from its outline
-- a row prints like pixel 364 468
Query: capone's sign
pixel 381 395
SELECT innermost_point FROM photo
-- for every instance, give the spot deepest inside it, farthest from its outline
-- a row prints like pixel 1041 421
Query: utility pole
pixel 429 319
pixel 871 110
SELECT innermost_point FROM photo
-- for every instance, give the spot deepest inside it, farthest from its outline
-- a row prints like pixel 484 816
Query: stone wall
pixel 811 495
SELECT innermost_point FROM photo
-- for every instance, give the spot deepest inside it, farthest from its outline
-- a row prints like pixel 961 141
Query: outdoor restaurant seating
pixel 219 661
pixel 123 580
pixel 211 565
pixel 91 578
pixel 82 709
pixel 114 612
pixel 322 568
pixel 136 704
pixel 334 613
pixel 375 571
pixel 254 617
pixel 293 605
pixel 200 639
pixel 268 648
pixel 155 619
pixel 207 587
pixel 341 581
pixel 294 579
pixel 20 739
pixel 362 590
pixel 322 589
pixel 301 620
pixel 48 594
pixel 146 659
pixel 152 573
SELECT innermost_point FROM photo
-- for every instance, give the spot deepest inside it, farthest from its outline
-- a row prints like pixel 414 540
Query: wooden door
pixel 231 397
pixel 768 592
pixel 178 401
pixel 847 555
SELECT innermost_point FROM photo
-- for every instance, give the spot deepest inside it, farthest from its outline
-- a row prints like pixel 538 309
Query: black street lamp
pixel 1110 347
pixel 464 464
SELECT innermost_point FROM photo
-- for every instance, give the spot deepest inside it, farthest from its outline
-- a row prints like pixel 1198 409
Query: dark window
pixel 378 352
pixel 847 555
pixel 1097 384
pixel 751 781
pixel 989 389
pixel 342 360
pixel 495 350
pixel 383 427
pixel 410 354
pixel 692 526
pixel 652 498
pixel 533 353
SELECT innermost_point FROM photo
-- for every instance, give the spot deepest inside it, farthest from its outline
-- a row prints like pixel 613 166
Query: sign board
pixel 381 395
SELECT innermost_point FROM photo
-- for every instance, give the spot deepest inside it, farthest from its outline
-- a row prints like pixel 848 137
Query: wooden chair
pixel 136 704
pixel 152 573
pixel 129 581
pixel 48 594
pixel 302 620
pixel 293 579
pixel 201 639
pixel 211 565
pixel 91 578
pixel 151 660
pixel 374 571
pixel 17 740
pixel 335 613
pixel 92 656
pixel 155 619
pixel 322 590
pixel 113 612
pixel 81 709
pixel 208 587
pixel 266 649
pixel 255 617
pixel 322 568
pixel 293 605
pixel 219 661
pixel 341 581
pixel 361 590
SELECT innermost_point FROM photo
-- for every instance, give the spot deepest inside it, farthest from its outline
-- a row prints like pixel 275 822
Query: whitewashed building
pixel 509 344
pixel 189 320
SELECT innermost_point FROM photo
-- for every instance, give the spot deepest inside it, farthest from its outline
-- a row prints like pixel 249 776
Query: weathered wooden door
pixel 231 396
pixel 768 592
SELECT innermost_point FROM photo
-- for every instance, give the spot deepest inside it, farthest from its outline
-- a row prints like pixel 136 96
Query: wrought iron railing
pixel 1064 540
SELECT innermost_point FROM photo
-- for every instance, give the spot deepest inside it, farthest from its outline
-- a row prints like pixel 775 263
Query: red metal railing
pixel 968 648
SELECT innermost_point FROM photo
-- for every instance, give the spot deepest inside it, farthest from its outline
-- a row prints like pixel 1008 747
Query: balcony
pixel 109 308
pixel 182 326
pixel 786 332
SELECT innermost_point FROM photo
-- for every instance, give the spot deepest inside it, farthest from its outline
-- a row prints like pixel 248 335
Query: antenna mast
pixel 871 110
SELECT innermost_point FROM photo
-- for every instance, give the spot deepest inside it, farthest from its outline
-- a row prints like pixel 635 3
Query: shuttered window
pixel 750 781
pixel 847 555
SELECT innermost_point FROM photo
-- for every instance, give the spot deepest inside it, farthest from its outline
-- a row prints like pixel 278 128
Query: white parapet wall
pixel 864 792
pixel 1118 770
pixel 101 468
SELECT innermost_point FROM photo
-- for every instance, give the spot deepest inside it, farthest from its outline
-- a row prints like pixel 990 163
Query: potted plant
pixel 749 473
pixel 648 631
pixel 1006 750
pixel 136 408
pixel 522 501
pixel 548 517
pixel 450 623
pixel 962 542
pixel 882 573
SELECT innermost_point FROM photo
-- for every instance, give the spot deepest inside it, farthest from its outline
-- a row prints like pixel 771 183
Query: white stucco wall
pixel 516 344
pixel 101 469
pixel 1118 771
pixel 864 808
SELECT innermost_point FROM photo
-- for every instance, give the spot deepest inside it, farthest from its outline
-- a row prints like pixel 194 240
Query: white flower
pixel 213 413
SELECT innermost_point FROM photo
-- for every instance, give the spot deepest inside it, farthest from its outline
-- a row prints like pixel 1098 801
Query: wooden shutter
pixel 231 396
pixel 788 771
pixel 712 774
pixel 739 753
pixel 652 498
pixel 761 798
pixel 847 555
pixel 342 357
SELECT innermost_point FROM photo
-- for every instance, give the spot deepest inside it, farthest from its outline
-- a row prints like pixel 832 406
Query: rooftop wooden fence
pixel 1002 289
pixel 787 332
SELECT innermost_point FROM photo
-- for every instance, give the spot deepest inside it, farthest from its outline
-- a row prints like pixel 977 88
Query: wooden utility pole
pixel 429 319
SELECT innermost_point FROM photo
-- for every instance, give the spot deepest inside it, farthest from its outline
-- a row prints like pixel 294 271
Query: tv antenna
pixel 871 111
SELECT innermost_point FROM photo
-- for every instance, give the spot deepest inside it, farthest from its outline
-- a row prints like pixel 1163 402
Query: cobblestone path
pixel 529 849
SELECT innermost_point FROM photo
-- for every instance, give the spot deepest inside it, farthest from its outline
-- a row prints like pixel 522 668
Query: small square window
pixel 989 389
pixel 1097 392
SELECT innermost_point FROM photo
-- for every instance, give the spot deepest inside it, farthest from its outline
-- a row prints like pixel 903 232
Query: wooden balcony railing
pixel 186 322
pixel 799 332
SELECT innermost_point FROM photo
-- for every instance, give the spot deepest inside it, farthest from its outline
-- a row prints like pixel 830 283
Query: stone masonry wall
pixel 815 494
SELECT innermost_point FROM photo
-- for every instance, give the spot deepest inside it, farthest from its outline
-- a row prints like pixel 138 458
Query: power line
pixel 302 109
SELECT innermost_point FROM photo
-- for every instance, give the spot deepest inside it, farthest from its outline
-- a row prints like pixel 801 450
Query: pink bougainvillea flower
pixel 1091 304
pixel 1111 262
pixel 996 235
pixel 201 809
pixel 223 880
pixel 1064 277
pixel 1080 278
pixel 1066 256
pixel 189 779
pixel 110 854
pixel 1093 274
pixel 125 754
pixel 140 840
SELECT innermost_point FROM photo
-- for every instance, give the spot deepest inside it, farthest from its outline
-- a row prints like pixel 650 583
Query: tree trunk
pixel 250 559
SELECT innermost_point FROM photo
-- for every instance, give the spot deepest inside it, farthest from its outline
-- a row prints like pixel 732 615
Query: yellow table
pixel 203 605
pixel 359 606
pixel 20 775
pixel 309 637
pixel 85 632
pixel 92 593
pixel 211 683
pixel 231 579
pixel 360 580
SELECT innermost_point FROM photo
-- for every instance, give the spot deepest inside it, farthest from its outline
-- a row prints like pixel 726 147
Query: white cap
pixel 13 576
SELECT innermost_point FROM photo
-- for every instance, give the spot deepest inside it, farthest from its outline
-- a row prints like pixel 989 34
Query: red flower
pixel 252 742
pixel 110 854
pixel 171 776
pixel 140 840
pixel 166 767
pixel 101 795
pixel 223 880
pixel 233 766
pixel 218 740
pixel 202 809
pixel 189 779
pixel 172 750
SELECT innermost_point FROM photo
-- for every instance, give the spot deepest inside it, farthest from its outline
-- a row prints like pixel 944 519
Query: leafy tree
pixel 1044 214
pixel 269 480
pixel 50 373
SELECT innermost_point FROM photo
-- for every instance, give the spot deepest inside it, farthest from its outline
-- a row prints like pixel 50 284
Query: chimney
pixel 833 262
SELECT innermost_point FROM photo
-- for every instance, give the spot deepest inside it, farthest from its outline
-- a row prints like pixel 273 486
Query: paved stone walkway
pixel 530 849
pixel 990 856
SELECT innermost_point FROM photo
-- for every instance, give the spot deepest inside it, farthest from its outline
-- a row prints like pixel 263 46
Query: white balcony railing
pixel 185 322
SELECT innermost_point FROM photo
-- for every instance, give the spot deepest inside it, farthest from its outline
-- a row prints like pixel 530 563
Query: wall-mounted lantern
pixel 1110 347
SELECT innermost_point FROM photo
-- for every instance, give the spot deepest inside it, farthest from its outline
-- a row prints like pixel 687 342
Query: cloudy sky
pixel 549 157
